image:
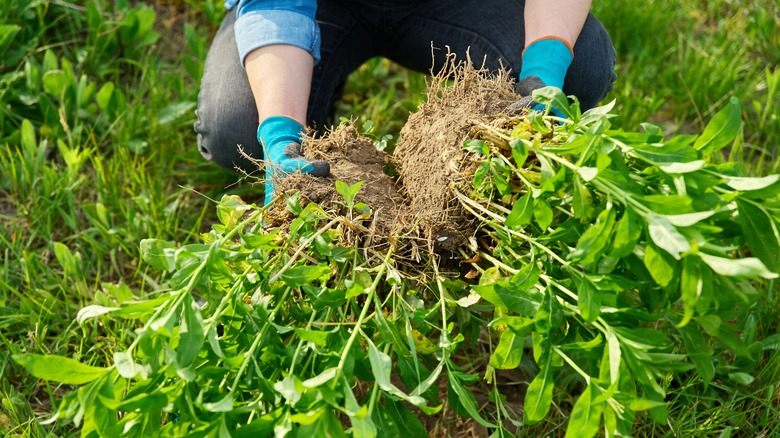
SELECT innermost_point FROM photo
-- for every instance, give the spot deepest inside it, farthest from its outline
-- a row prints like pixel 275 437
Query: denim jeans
pixel 414 33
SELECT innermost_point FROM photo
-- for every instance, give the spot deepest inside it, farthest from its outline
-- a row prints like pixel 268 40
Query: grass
pixel 108 158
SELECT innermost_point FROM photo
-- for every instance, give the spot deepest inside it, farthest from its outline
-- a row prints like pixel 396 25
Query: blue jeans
pixel 404 31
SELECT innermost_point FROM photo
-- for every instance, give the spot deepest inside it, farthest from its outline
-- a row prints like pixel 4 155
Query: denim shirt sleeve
pixel 264 22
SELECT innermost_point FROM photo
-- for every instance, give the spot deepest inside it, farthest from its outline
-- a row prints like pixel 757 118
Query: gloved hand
pixel 280 138
pixel 545 62
pixel 525 88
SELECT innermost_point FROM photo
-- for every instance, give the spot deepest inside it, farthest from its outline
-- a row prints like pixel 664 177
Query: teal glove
pixel 280 138
pixel 545 62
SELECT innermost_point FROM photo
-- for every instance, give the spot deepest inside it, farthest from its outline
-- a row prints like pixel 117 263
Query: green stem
pixel 363 312
pixel 573 364
pixel 301 342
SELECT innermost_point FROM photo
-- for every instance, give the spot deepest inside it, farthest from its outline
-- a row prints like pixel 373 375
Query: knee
pixel 226 135
pixel 592 72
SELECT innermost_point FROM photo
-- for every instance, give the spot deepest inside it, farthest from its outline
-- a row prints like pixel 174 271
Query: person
pixel 276 66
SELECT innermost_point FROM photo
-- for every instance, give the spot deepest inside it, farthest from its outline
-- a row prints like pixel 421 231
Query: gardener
pixel 280 64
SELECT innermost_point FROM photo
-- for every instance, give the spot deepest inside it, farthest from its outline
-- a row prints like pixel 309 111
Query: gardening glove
pixel 280 138
pixel 545 62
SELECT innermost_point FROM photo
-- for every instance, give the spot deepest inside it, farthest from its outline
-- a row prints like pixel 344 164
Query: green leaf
pixel 745 184
pixel 582 201
pixel 660 154
pixel 321 378
pixel 317 337
pixel 554 97
pixel 666 236
pixel 745 267
pixel 191 333
pixel 521 213
pixel 509 351
pixel 465 398
pixel 595 240
pixel 614 354
pixel 348 192
pixel 362 425
pixel 508 295
pixel 301 275
pixel 173 112
pixel 688 219
pixel 477 147
pixel 538 397
pixel 585 419
pixel 588 300
pixel 225 404
pixel 382 366
pixel 59 369
pixel 104 96
pixel 519 152
pixel 699 353
pixel 677 168
pixel 55 82
pixel 93 311
pixel 543 214
pixel 159 254
pixel 29 144
pixel 128 368
pixel 627 234
pixel 690 287
pixel 67 260
pixel 657 263
pixel 527 276
pixel 7 33
pixel 408 424
pixel 722 129
pixel 742 378
pixel 643 404
pixel 323 297
pixel 762 232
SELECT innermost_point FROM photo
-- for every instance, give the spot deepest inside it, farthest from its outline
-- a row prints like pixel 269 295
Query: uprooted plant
pixel 607 263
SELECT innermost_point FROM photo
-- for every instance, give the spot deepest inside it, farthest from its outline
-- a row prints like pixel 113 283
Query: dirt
pixel 353 158
pixel 430 160
pixel 430 157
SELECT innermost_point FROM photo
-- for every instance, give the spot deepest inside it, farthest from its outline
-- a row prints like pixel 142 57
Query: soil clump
pixel 429 157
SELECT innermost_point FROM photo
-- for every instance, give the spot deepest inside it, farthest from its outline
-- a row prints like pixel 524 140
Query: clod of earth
pixel 429 157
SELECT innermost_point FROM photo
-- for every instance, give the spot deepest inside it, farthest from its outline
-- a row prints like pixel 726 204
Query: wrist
pixel 278 130
pixel 548 59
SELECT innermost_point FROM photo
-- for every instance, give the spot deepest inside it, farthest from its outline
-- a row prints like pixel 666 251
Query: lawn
pixel 98 155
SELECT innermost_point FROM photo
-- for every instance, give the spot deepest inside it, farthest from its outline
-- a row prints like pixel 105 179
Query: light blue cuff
pixel 255 29
pixel 548 60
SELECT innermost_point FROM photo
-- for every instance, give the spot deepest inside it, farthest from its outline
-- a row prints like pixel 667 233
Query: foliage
pixel 98 154
pixel 605 262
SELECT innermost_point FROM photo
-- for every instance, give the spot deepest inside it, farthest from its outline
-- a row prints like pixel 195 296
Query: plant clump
pixel 604 268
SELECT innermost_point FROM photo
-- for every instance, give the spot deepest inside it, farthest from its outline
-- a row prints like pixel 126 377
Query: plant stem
pixel 300 249
pixel 363 312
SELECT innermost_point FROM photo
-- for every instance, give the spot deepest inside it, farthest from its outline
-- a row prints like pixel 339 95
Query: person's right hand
pixel 280 138
pixel 525 89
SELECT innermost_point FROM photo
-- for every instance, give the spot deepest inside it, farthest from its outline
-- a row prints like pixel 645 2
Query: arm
pixel 551 29
pixel 560 18
pixel 280 77
pixel 278 42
